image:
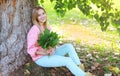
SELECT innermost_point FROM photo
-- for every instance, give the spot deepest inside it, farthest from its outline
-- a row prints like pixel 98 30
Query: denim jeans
pixel 59 59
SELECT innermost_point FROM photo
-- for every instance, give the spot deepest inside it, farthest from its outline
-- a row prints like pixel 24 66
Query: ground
pixel 70 34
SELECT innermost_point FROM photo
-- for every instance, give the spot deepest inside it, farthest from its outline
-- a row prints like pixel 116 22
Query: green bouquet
pixel 48 39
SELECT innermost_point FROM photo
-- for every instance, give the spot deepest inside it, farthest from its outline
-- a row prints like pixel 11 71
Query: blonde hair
pixel 35 16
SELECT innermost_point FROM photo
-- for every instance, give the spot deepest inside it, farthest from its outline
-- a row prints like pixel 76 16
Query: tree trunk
pixel 15 21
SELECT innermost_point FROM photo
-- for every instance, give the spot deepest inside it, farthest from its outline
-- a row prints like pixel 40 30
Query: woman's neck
pixel 41 28
pixel 41 24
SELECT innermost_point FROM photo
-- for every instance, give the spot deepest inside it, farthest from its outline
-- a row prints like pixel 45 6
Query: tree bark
pixel 15 21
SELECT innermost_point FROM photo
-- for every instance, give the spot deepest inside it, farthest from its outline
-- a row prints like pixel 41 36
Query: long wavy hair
pixel 35 16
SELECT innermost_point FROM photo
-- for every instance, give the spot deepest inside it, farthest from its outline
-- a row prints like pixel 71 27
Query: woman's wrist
pixel 37 52
pixel 44 52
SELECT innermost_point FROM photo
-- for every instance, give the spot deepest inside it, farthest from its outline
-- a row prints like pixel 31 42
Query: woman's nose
pixel 42 16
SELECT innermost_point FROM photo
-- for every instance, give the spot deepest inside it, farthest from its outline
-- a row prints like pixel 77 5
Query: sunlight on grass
pixel 98 43
pixel 116 4
pixel 87 35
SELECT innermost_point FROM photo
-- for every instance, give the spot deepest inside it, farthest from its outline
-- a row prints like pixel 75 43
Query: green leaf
pixel 48 39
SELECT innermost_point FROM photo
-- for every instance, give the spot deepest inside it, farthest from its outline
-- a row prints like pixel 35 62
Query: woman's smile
pixel 42 16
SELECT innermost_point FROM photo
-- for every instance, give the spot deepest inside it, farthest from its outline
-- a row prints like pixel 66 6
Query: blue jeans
pixel 59 59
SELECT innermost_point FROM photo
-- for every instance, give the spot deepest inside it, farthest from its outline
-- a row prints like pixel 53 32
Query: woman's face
pixel 42 17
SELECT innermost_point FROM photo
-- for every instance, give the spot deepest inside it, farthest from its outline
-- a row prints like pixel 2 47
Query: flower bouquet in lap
pixel 48 40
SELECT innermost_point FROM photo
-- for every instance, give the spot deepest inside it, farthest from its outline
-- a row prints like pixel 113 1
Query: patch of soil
pixel 32 69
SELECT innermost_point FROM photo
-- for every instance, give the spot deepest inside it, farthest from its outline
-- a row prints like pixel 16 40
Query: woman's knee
pixel 68 61
pixel 69 45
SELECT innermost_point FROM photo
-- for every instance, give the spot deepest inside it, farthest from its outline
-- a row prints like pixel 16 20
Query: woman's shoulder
pixel 34 28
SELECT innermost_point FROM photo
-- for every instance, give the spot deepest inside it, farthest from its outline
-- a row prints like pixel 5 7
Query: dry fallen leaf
pixel 114 69
pixel 96 64
pixel 27 72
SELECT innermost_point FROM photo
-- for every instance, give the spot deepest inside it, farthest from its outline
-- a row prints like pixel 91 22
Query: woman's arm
pixel 38 52
pixel 32 40
pixel 50 51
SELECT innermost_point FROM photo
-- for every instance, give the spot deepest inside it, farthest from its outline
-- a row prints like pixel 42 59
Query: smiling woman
pixel 41 16
pixel 51 57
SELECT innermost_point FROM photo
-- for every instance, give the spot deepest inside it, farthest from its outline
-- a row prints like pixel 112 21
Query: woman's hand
pixel 42 52
pixel 50 51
